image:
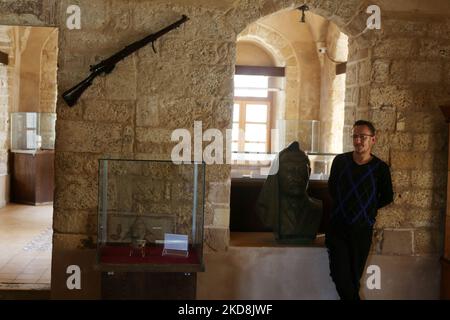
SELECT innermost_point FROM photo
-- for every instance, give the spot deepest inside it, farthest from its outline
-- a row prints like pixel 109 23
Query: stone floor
pixel 25 245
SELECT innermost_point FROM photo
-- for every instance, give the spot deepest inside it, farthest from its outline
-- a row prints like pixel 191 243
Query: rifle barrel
pixel 129 49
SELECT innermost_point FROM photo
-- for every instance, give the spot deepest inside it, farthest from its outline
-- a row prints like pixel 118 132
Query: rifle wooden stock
pixel 72 95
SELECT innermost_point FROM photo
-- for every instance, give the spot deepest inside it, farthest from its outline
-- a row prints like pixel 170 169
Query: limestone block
pixel 22 7
pixel 406 160
pixel 208 214
pixel 149 17
pixel 154 150
pixel 377 241
pixel 362 113
pixel 94 42
pixel 94 14
pixel 439 197
pixel 120 14
pixel 222 113
pixel 182 191
pixel 410 121
pixel 147 113
pixel 147 189
pixel 215 53
pixel 380 70
pixel 109 111
pixel 128 139
pixel 77 136
pixel 207 81
pixel 402 141
pixel 218 173
pixel 216 239
pixel 211 24
pixel 70 163
pixel 435 161
pixel 76 192
pixel 364 71
pixel 447 73
pixel 221 217
pixel 179 113
pixel 427 240
pixel 198 51
pixel 384 119
pixel 153 135
pixel 397 242
pixel 328 8
pixel 439 29
pixel 394 48
pixel 419 217
pixel 120 84
pixel 218 192
pixel 399 98
pixel 421 142
pixel 432 122
pixel 403 28
pixel 364 93
pixel 161 79
pixel 119 193
pixel 347 9
pixel 434 49
pixel 392 216
pixel 352 76
pixel 400 179
pixel 73 241
pixel 352 95
pixel 75 221
pixel 421 198
pixel 424 72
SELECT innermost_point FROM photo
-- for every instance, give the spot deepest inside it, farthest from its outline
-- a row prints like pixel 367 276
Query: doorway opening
pixel 28 91
pixel 290 81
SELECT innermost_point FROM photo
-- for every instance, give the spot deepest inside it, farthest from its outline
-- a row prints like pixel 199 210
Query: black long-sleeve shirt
pixel 358 191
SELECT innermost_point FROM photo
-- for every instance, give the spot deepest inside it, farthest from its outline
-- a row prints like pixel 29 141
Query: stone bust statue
pixel 284 204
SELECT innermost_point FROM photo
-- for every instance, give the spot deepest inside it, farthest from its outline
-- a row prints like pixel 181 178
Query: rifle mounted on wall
pixel 106 66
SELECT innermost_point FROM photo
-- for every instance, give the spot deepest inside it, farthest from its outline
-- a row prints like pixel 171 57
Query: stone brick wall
pixel 5 47
pixel 408 82
pixel 49 58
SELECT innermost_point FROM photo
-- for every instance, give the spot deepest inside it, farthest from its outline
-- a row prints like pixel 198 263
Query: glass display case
pixel 150 216
pixel 32 131
pixel 320 165
pixel 306 132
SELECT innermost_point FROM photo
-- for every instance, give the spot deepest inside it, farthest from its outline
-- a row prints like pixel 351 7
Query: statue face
pixel 293 176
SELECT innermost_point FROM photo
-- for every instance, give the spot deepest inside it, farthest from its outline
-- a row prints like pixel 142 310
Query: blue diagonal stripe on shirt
pixel 354 190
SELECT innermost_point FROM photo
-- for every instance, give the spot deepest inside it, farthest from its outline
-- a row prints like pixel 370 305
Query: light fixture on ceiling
pixel 303 8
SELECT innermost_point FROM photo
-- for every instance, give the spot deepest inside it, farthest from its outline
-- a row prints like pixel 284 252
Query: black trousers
pixel 348 249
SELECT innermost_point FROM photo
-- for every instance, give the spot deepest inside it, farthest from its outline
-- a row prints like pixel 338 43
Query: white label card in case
pixel 175 242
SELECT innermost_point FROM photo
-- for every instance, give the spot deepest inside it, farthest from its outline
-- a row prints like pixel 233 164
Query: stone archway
pixel 284 55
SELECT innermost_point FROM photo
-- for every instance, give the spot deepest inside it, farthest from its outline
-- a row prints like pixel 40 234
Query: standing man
pixel 359 184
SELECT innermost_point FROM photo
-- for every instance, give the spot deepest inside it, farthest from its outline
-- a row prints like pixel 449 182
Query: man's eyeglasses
pixel 362 137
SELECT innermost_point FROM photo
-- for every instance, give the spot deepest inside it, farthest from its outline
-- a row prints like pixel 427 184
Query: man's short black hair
pixel 365 123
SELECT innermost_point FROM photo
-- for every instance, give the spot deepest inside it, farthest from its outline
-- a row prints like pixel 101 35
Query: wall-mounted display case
pixel 32 131
pixel 150 216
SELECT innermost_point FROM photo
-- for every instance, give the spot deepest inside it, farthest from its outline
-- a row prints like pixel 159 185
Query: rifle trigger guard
pixel 153 47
